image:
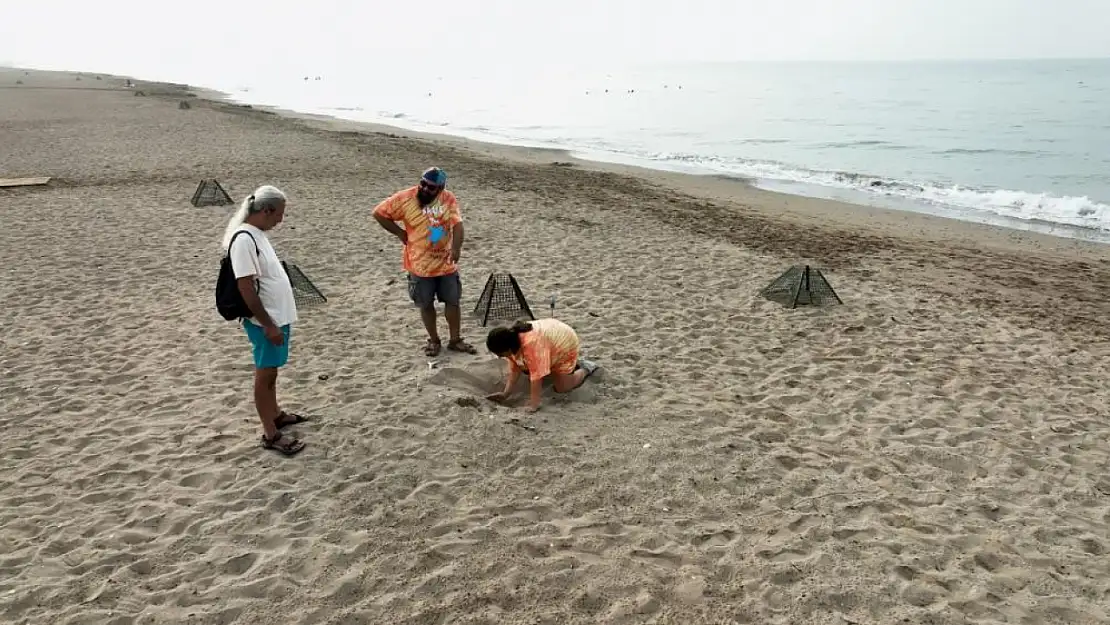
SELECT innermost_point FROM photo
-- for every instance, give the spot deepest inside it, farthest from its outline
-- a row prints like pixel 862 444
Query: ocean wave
pixel 980 151
pixel 1081 212
pixel 864 143
pixel 762 141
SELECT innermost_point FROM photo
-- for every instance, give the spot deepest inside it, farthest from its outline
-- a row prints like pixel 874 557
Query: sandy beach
pixel 934 451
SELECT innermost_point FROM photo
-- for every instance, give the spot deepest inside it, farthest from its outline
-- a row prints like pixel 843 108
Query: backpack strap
pixel 257 252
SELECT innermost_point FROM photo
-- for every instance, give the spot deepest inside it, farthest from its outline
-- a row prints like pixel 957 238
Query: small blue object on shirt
pixel 435 234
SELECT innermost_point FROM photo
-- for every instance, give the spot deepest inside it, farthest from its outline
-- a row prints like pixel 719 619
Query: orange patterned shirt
pixel 550 346
pixel 428 228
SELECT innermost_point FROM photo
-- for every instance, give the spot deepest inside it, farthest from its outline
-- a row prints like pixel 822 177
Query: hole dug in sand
pixel 482 378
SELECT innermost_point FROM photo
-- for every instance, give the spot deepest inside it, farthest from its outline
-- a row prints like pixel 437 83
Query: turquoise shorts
pixel 266 354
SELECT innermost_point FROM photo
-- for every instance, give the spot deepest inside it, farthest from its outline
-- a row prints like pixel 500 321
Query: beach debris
pixel 24 182
pixel 140 93
pixel 19 82
pixel 210 193
pixel 502 300
pixel 517 422
pixel 803 285
pixel 323 377
pixel 183 104
pixel 468 402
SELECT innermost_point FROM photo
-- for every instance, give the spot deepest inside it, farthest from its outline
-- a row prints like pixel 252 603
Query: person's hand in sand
pixel 510 384
pixel 541 348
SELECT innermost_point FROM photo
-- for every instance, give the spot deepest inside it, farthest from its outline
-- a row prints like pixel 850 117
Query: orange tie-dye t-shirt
pixel 551 346
pixel 428 228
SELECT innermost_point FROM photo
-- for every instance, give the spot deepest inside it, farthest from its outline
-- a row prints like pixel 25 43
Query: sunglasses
pixel 424 184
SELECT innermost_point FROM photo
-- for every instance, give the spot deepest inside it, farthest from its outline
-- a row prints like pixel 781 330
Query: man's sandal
pixel 462 347
pixel 431 348
pixel 283 444
pixel 285 419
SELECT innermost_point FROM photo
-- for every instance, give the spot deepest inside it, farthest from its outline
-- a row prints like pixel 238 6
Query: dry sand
pixel 933 451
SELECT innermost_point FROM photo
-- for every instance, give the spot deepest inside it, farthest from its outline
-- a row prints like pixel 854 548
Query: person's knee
pixel 450 298
pixel 562 383
pixel 266 378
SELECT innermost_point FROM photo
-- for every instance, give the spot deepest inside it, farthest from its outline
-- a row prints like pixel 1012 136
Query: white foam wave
pixel 1070 210
pixel 1081 212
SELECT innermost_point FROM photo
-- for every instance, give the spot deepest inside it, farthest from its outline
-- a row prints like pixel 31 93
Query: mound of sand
pixel 478 379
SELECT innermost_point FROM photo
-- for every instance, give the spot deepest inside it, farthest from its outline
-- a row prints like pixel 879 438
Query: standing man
pixel 266 291
pixel 432 237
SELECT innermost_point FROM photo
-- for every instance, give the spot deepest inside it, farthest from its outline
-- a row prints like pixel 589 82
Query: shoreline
pixel 725 191
pixel 885 217
pixel 811 190
pixel 889 217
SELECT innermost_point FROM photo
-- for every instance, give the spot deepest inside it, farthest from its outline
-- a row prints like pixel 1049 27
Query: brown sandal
pixel 282 444
pixel 461 346
pixel 285 419
pixel 431 349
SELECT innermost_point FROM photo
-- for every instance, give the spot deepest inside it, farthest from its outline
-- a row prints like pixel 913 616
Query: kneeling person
pixel 541 348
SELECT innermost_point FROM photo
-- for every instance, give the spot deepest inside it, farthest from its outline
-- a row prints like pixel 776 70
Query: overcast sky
pixel 176 40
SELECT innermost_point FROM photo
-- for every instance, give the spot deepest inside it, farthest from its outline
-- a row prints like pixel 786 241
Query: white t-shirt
pixel 275 291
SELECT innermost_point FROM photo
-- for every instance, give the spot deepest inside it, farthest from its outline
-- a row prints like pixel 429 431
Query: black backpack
pixel 229 302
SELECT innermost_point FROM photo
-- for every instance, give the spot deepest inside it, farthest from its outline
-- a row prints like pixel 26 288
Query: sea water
pixel 1023 143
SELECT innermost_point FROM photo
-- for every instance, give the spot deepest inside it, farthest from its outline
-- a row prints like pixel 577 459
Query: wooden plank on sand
pixel 23 182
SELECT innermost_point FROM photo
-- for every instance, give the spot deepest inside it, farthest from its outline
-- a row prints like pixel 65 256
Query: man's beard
pixel 425 198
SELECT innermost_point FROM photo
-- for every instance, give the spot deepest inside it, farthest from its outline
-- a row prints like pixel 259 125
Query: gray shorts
pixel 424 291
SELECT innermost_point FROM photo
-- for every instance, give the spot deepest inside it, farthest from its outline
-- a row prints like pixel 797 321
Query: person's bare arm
pixel 254 303
pixel 392 228
pixel 510 384
pixel 536 392
pixel 456 242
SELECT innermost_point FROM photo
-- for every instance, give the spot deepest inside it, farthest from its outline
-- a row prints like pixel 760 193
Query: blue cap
pixel 435 176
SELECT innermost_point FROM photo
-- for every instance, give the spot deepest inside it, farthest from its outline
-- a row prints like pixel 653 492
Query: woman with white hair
pixel 268 295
